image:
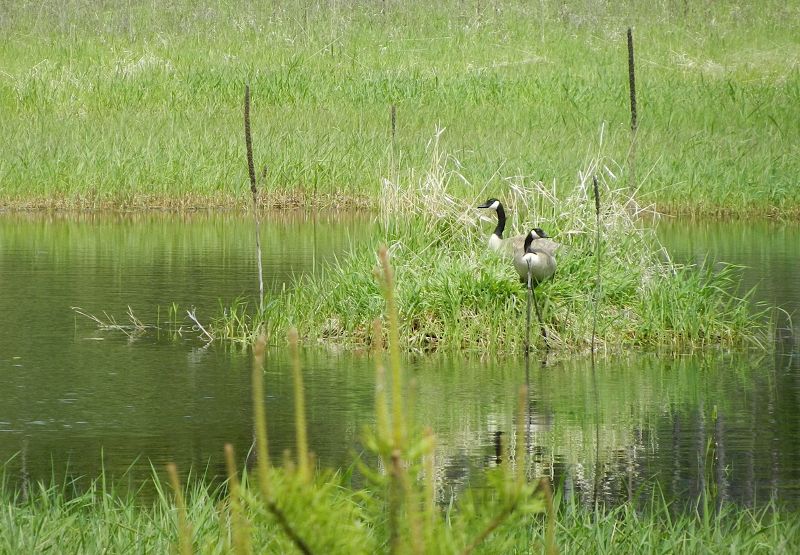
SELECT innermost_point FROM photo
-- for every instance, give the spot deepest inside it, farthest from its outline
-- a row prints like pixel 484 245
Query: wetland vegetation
pixel 100 520
pixel 417 111
pixel 455 294
pixel 140 105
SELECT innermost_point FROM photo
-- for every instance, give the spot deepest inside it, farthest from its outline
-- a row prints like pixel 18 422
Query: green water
pixel 76 399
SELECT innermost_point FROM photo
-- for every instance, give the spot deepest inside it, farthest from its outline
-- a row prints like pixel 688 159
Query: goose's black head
pixel 492 203
pixel 540 233
pixel 532 234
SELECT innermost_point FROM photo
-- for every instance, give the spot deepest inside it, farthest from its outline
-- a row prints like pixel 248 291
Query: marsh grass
pixel 98 519
pixel 455 294
pixel 139 106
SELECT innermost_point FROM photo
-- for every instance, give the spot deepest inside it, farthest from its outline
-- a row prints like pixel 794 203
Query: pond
pixel 76 399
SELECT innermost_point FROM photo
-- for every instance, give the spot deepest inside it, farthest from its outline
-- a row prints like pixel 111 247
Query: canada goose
pixel 515 245
pixel 535 258
pixel 534 265
pixel 496 241
pixel 541 241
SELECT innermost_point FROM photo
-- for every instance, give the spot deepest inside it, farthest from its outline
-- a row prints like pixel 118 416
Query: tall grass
pixel 139 105
pixel 344 520
pixel 454 294
pixel 99 520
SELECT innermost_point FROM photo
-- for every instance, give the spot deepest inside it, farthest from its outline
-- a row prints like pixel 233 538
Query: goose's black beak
pixel 486 204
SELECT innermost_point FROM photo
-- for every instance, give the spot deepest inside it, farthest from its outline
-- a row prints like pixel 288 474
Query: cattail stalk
pixel 632 82
pixel 550 547
pixel 429 464
pixel 634 116
pixel 251 170
pixel 596 191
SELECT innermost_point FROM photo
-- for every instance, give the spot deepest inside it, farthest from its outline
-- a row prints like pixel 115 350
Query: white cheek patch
pixel 495 204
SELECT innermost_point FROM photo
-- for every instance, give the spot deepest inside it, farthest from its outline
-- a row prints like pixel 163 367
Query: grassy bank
pixel 140 105
pixel 454 294
pixel 99 521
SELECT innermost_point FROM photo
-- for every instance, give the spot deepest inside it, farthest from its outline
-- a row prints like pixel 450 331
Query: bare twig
pixel 191 314
pixel 110 323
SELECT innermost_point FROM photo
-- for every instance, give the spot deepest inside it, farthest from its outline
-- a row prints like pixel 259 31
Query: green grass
pixel 340 519
pixel 140 104
pixel 456 295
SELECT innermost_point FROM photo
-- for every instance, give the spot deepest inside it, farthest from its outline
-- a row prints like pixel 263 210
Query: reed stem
pixel 429 463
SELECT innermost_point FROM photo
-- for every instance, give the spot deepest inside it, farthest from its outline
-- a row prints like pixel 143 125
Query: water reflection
pixel 767 251
pixel 680 424
pixel 75 398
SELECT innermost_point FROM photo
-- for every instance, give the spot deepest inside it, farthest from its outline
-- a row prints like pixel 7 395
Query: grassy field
pixel 139 104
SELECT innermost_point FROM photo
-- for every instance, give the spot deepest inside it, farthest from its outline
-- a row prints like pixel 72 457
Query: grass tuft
pixel 452 293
